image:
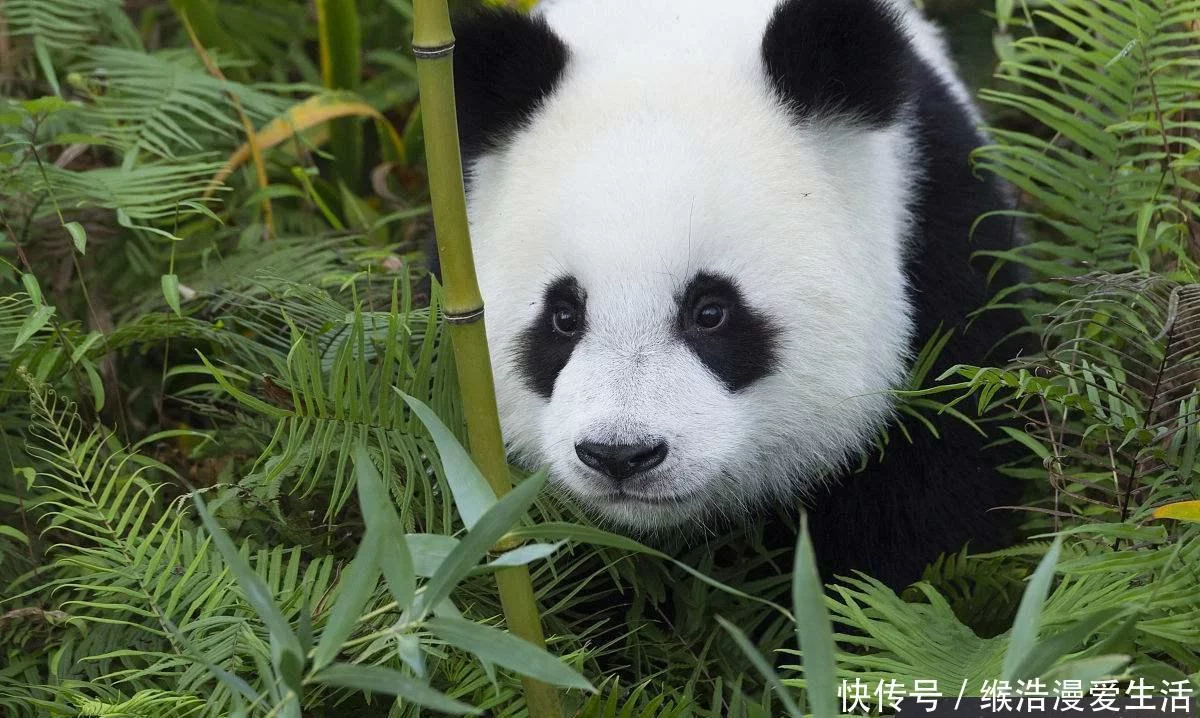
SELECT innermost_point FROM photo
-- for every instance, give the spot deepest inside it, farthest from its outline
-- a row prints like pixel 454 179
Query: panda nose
pixel 621 461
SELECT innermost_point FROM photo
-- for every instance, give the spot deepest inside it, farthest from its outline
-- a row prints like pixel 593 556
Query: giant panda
pixel 712 235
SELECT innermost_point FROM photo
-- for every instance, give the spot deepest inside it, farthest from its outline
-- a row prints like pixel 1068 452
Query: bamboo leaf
pixel 382 521
pixel 523 555
pixel 1029 442
pixel 472 494
pixel 95 384
pixel 32 288
pixel 78 235
pixel 378 679
pixel 1048 651
pixel 599 537
pixel 357 584
pixel 429 551
pixel 170 290
pixel 255 590
pixel 1089 670
pixel 480 539
pixel 814 631
pixel 33 324
pixel 505 649
pixel 1023 638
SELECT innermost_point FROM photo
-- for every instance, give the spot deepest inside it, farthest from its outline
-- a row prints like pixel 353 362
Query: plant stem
pixel 340 40
pixel 260 167
pixel 433 42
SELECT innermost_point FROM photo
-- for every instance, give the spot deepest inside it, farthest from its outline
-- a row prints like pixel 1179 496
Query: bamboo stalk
pixel 433 44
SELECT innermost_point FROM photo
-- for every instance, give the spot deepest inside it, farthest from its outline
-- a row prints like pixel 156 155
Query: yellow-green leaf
pixel 1181 511
pixel 316 110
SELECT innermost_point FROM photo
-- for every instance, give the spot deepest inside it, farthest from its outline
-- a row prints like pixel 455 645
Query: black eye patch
pixel 543 349
pixel 740 349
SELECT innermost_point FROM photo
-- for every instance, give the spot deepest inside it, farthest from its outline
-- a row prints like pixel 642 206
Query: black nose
pixel 620 461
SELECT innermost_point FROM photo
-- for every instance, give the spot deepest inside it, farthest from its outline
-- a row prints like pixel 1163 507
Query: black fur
pixel 743 349
pixel 505 64
pixel 933 495
pixel 843 58
pixel 543 352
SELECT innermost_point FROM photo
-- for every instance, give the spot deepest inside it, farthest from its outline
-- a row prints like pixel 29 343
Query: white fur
pixel 664 152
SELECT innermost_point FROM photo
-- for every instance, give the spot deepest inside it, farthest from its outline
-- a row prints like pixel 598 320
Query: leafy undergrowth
pixel 219 363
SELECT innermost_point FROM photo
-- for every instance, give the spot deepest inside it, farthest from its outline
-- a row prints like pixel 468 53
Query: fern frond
pixel 1114 81
pixel 162 191
pixel 1115 392
pixel 167 104
pixel 158 604
pixel 924 639
pixel 58 24
pixel 643 700
pixel 143 704
pixel 334 380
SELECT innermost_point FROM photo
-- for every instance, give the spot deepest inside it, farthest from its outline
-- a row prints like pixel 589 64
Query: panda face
pixel 688 320
pixel 695 303
pixel 633 375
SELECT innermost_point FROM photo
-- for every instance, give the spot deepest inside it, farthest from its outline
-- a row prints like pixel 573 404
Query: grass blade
pixel 763 667
pixel 1025 627
pixel 814 631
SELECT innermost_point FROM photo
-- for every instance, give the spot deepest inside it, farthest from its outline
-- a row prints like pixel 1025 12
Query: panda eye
pixel 710 315
pixel 565 320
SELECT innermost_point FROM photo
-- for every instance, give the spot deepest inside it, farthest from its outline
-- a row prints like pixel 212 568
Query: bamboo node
pixel 432 52
pixel 469 317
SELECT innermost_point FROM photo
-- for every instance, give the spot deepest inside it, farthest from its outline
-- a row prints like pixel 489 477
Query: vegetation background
pixel 214 501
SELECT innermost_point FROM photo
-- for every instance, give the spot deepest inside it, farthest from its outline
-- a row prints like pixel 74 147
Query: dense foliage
pixel 228 485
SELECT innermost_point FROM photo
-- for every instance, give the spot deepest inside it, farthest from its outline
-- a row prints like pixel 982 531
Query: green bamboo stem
pixel 433 43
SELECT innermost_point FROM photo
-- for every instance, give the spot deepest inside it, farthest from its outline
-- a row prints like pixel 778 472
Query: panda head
pixel 689 221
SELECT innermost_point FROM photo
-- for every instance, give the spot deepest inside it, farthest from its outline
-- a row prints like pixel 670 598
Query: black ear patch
pixel 841 58
pixel 505 64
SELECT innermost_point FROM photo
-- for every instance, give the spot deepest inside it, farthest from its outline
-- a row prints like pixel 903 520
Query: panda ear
pixel 505 64
pixel 840 58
